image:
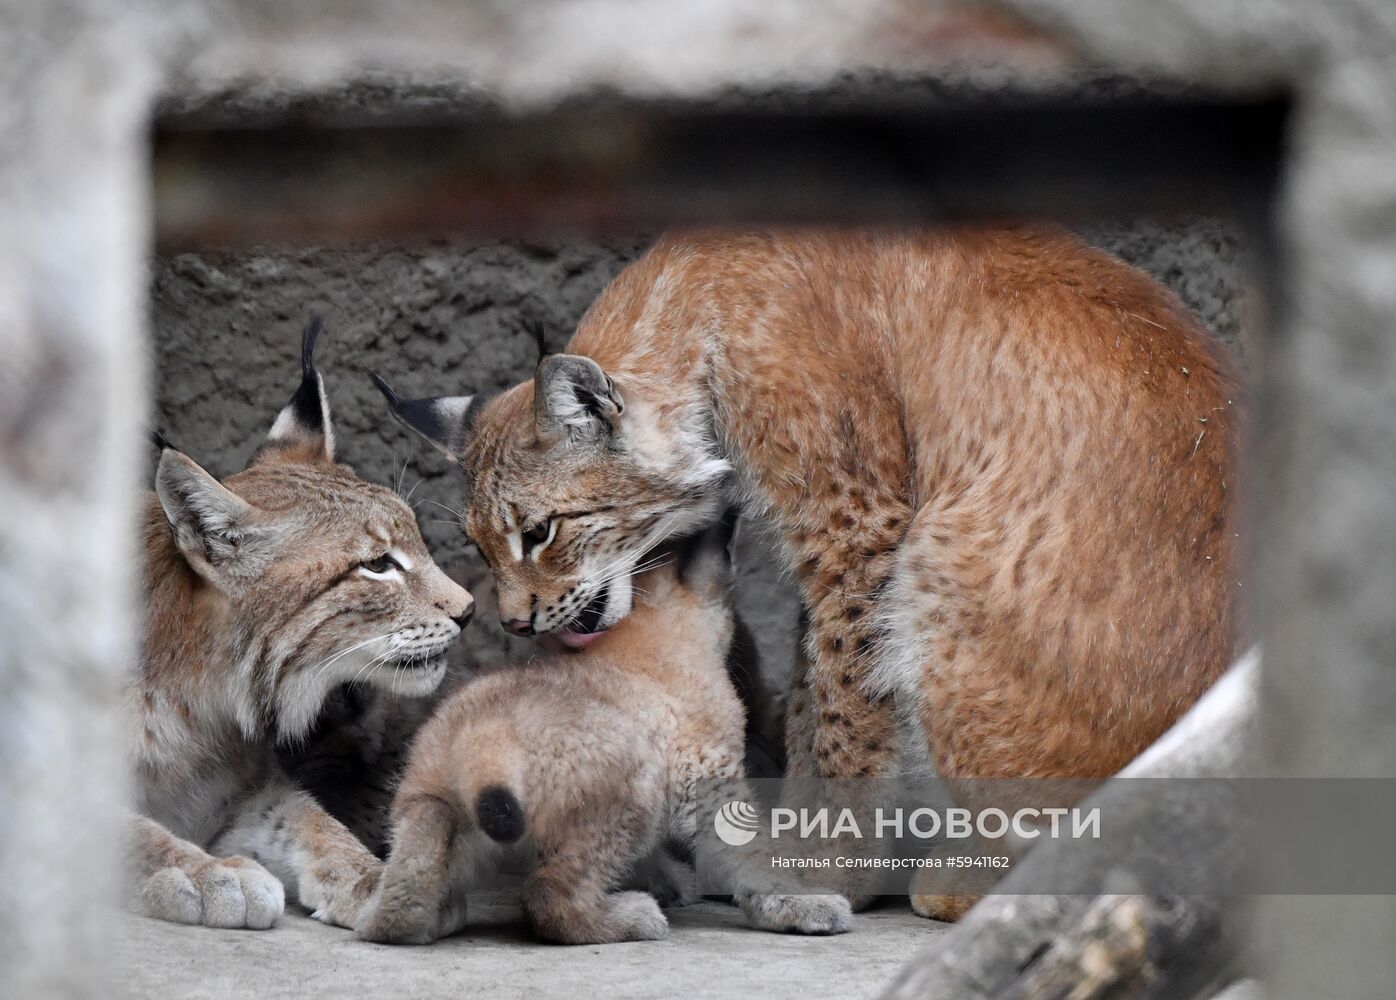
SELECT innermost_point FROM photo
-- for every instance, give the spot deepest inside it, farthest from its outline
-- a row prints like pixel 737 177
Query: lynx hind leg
pixel 568 897
pixel 413 903
pixel 177 881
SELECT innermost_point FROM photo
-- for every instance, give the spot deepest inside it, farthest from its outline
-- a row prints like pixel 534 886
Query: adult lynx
pixel 263 593
pixel 1000 462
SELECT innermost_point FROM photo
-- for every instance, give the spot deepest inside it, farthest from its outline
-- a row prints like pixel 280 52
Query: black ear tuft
pixel 303 430
pixel 307 400
pixel 160 441
pixel 444 421
pixel 540 337
pixel 309 336
pixel 394 400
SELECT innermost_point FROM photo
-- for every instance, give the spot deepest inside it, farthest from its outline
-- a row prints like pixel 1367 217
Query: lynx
pixel 581 767
pixel 1001 463
pixel 263 593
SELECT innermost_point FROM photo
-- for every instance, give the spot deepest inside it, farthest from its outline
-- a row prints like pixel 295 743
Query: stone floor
pixel 710 952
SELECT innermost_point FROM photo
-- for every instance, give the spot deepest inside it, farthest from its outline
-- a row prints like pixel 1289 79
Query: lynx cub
pixel 584 766
pixel 262 594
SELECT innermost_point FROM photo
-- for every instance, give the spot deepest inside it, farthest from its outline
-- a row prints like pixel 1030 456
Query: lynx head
pixel 315 577
pixel 573 478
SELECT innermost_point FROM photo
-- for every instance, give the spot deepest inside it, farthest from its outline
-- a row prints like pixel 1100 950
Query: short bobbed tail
pixel 500 814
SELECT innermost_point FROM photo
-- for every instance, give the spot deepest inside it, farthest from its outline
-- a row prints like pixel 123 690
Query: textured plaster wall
pixel 451 317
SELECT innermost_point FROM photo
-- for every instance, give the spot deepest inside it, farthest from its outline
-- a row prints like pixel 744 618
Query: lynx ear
pixel 303 429
pixel 574 398
pixel 706 558
pixel 443 421
pixel 211 523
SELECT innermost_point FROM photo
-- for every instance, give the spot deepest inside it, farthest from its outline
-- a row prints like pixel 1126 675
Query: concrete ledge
pixel 709 952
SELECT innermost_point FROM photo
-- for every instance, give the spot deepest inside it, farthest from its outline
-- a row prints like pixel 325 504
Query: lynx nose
pixel 518 626
pixel 463 619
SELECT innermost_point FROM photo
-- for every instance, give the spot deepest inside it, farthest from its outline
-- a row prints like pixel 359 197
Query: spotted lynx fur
pixel 1001 464
pixel 583 767
pixel 263 593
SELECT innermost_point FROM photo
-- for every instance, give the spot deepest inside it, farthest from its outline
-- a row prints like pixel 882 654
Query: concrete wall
pixel 450 317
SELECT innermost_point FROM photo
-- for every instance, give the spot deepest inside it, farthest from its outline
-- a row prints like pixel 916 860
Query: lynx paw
pixel 801 914
pixel 224 892
pixel 340 900
pixel 396 922
pixel 635 916
pixel 946 908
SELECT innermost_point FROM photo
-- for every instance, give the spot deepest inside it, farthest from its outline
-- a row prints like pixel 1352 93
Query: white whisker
pixel 324 664
pixel 446 507
pixel 370 664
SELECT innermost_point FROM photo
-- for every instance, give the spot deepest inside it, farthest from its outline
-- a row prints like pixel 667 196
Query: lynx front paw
pixel 399 922
pixel 341 898
pixel 799 914
pixel 223 892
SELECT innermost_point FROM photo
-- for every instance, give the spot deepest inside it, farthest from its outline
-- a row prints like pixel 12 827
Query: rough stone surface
pixel 453 318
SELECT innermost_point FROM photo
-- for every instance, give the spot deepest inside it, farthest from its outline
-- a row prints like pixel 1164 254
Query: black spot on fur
pixel 499 814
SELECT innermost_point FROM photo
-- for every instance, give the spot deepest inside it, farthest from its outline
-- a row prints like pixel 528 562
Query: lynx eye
pixel 539 535
pixel 380 566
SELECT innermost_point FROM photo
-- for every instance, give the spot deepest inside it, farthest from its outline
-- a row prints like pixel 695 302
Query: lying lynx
pixel 1000 462
pixel 264 593
pixel 582 767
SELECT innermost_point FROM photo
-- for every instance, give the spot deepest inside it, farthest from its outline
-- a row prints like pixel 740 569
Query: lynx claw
pixel 385 924
pixel 339 904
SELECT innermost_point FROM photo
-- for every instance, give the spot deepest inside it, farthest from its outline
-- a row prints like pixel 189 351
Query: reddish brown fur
pixel 1000 462
pixel 1038 433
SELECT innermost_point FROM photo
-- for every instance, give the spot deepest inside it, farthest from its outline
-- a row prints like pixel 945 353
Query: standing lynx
pixel 263 593
pixel 999 462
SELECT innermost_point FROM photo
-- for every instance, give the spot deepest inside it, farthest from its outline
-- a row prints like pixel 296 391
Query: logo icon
pixel 736 823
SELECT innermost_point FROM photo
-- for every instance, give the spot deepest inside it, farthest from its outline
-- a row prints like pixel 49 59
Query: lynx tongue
pixel 586 627
pixel 578 640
